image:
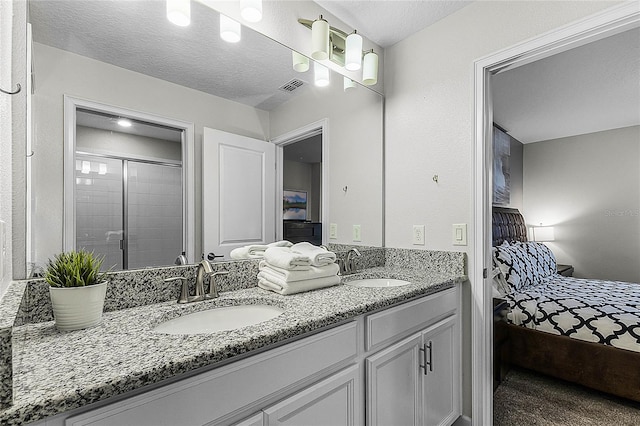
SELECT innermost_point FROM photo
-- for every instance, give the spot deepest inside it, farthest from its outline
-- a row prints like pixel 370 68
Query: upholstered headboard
pixel 508 225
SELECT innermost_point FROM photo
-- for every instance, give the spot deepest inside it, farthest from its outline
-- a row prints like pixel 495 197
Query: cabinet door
pixel 442 373
pixel 334 401
pixel 393 386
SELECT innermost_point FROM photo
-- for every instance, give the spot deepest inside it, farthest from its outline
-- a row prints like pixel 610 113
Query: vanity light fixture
pixel 179 12
pixel 320 75
pixel 320 39
pixel 229 29
pixel 353 52
pixel 251 10
pixel 300 62
pixel 123 122
pixel 341 48
pixel 86 167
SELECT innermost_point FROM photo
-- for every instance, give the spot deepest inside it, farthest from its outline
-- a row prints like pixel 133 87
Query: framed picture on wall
pixel 294 205
pixel 501 168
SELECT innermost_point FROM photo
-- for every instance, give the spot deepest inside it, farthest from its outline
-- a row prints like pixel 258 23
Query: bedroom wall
pixel 588 188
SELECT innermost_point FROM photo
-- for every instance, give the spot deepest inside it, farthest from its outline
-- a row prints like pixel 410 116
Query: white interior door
pixel 238 192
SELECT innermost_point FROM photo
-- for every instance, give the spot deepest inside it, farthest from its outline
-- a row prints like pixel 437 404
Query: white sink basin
pixel 378 282
pixel 219 319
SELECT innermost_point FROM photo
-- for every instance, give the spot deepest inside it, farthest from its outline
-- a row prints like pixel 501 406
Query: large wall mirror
pixel 124 58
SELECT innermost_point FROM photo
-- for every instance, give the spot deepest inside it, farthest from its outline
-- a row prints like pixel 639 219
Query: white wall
pixel 59 72
pixel 6 82
pixel 429 121
pixel 588 188
pixel 355 153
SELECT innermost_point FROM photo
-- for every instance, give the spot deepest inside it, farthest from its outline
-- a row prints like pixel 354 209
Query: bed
pixel 579 330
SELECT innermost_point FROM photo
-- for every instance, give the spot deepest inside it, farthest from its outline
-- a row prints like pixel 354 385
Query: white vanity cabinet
pixel 416 380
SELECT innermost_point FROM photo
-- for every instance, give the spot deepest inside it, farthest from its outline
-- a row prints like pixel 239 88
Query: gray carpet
pixel 527 398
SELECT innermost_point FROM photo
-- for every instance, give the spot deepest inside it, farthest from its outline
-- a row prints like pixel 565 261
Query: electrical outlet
pixel 333 230
pixel 418 235
pixel 356 233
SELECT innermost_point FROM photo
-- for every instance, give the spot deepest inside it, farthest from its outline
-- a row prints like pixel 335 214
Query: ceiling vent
pixel 291 85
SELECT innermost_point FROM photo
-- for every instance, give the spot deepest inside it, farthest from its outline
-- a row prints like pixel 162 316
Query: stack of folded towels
pixel 301 267
pixel 256 251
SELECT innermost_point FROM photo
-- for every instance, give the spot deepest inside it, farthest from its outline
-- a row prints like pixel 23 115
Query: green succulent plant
pixel 74 269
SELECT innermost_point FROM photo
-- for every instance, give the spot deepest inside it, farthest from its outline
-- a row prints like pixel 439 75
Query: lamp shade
pixel 349 84
pixel 251 10
pixel 543 233
pixel 300 62
pixel 370 69
pixel 353 54
pixel 229 29
pixel 321 75
pixel 320 39
pixel 179 12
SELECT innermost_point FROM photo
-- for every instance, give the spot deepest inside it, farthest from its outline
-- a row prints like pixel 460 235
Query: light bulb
pixel 251 10
pixel 179 12
pixel 229 29
pixel 321 75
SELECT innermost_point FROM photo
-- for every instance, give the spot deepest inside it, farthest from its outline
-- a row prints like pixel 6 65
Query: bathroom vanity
pixel 341 355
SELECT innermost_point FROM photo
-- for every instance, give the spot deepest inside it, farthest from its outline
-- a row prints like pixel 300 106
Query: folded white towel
pixel 319 256
pixel 256 251
pixel 283 257
pixel 275 273
pixel 298 286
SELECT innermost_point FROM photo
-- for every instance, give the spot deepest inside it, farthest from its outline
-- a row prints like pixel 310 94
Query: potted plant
pixel 77 289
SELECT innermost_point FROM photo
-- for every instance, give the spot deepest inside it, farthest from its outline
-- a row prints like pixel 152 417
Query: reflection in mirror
pixel 102 52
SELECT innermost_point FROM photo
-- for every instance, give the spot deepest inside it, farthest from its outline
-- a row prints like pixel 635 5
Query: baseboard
pixel 462 421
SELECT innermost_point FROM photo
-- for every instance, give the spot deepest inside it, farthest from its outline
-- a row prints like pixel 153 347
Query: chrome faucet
pixel 204 270
pixel 348 266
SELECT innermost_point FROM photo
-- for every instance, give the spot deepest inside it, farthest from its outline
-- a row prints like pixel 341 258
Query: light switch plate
pixel 418 235
pixel 333 230
pixel 459 234
pixel 356 233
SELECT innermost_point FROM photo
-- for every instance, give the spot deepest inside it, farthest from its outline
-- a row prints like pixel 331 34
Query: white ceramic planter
pixel 78 307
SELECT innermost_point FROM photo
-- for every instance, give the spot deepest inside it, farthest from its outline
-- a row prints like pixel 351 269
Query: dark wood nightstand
pixel 565 270
pixel 500 341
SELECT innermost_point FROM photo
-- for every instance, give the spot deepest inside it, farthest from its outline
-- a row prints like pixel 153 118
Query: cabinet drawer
pixel 388 326
pixel 229 390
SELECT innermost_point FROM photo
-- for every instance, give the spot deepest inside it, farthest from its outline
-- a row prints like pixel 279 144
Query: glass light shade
pixel 321 75
pixel 229 29
pixel 370 69
pixel 86 167
pixel 102 169
pixel 320 39
pixel 251 10
pixel 179 12
pixel 300 62
pixel 123 122
pixel 353 54
pixel 349 84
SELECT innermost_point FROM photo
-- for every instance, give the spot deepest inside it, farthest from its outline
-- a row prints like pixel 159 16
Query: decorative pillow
pixel 525 264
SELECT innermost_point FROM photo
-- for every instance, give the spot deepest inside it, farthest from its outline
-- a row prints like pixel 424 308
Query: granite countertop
pixel 58 371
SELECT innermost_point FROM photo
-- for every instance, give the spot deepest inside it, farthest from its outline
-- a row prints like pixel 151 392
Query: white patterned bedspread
pixel 606 312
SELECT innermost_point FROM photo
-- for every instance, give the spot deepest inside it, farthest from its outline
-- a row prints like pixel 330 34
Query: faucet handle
pixel 213 289
pixel 184 290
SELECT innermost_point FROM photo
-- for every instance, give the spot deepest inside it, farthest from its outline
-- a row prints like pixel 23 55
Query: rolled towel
pixel 298 286
pixel 293 276
pixel 319 256
pixel 255 251
pixel 283 257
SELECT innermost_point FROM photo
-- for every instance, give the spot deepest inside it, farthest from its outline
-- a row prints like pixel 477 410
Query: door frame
pixel 317 127
pixel 600 25
pixel 71 104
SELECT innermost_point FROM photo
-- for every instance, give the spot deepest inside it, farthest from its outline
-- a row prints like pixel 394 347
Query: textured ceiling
pixel 390 21
pixel 591 88
pixel 136 35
